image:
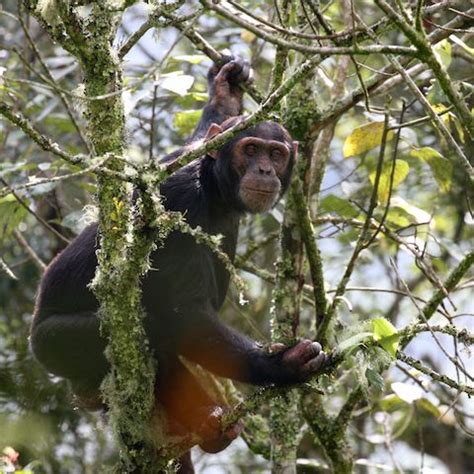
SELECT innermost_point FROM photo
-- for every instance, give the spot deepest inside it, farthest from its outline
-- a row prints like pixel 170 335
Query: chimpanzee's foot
pixel 215 439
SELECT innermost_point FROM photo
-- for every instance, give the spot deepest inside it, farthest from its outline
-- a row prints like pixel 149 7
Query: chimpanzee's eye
pixel 276 154
pixel 251 150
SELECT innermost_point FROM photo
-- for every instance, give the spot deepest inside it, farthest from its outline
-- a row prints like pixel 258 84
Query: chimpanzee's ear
pixel 295 149
pixel 212 131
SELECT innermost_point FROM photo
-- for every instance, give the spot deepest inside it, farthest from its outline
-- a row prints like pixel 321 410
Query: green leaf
pixel 428 406
pixel 186 121
pixel 8 198
pixel 398 217
pixel 443 52
pixel 403 420
pixel 364 138
pixel 189 100
pixel 391 403
pixel 441 168
pixel 190 58
pixel 374 379
pixel 399 174
pixel 11 214
pixel 338 205
pixel 354 341
pixel 386 335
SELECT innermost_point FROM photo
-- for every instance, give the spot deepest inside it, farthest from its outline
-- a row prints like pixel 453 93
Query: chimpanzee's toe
pixel 214 439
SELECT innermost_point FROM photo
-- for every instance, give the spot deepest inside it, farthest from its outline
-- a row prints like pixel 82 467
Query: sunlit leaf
pixel 247 36
pixel 443 52
pixel 364 138
pixel 186 121
pixel 179 84
pixel 7 199
pixel 391 403
pixel 416 215
pixel 190 58
pixel 386 334
pixel 399 174
pixel 407 392
pixel 463 45
pixel 428 406
pixel 449 119
pixel 441 168
pixel 398 217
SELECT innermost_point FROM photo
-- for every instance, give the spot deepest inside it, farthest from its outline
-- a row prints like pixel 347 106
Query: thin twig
pixel 416 364
pixel 29 250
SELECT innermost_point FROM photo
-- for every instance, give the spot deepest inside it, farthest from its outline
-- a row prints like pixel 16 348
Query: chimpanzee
pixel 186 287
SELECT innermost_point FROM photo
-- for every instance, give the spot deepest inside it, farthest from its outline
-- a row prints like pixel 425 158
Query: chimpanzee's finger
pixel 246 75
pixel 299 353
pixel 315 364
pixel 277 347
pixel 214 69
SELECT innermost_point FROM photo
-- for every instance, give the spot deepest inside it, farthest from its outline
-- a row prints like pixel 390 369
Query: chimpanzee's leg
pixel 189 408
pixel 70 346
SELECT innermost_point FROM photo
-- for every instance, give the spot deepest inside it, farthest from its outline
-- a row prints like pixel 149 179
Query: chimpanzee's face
pixel 254 168
pixel 261 158
pixel 261 164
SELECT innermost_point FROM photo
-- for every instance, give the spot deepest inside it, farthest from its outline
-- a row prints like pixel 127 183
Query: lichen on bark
pixel 124 251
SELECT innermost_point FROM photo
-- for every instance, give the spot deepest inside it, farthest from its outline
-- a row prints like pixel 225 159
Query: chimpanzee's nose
pixel 264 167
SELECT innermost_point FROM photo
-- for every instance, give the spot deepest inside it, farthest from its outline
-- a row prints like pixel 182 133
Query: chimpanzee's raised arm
pixel 225 94
pixel 225 99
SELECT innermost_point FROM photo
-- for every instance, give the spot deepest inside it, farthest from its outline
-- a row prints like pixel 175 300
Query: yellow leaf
pixel 247 36
pixel 399 174
pixel 364 138
pixel 441 168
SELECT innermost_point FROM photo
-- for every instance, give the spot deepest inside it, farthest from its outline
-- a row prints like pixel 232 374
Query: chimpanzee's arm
pixel 225 99
pixel 225 94
pixel 204 339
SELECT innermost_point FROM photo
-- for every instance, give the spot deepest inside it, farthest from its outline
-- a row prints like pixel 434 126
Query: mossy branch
pixel 444 379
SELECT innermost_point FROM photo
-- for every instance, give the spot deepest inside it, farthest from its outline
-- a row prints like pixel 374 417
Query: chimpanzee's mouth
pixel 260 191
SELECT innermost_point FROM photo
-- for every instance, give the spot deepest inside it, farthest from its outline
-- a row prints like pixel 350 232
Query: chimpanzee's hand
pixel 224 85
pixel 214 438
pixel 300 362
